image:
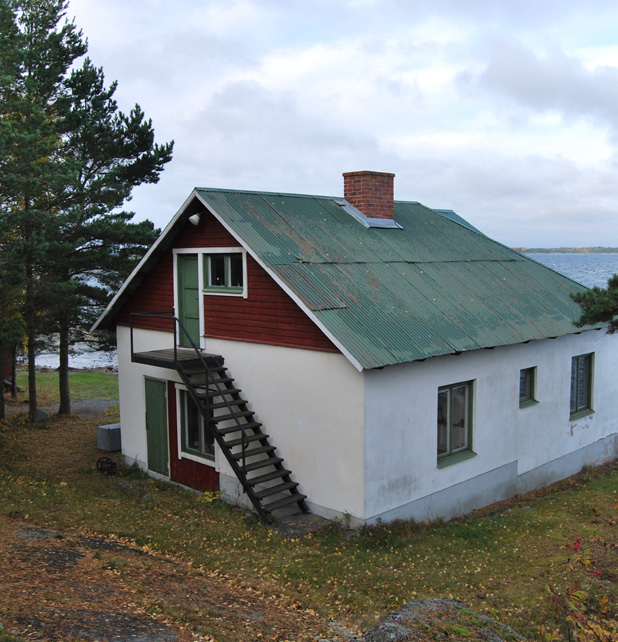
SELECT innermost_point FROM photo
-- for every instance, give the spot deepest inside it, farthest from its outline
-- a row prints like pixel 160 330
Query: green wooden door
pixel 156 426
pixel 188 298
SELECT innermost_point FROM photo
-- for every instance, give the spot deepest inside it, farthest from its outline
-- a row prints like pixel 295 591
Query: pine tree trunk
pixel 63 380
pixel 14 373
pixel 30 345
pixel 2 362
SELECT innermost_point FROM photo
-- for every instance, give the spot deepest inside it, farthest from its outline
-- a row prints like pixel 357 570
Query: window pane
pixel 209 443
pixel 460 417
pixel 443 421
pixel 192 424
pixel 574 363
pixel 524 384
pixel 582 383
pixel 217 270
pixel 236 270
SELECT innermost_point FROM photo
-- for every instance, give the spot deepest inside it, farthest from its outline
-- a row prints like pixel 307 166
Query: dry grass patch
pixel 499 561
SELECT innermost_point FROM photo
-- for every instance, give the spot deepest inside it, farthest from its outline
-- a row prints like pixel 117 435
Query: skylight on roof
pixel 366 221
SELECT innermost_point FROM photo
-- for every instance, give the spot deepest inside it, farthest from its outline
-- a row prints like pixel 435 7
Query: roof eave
pixel 106 320
pixel 282 284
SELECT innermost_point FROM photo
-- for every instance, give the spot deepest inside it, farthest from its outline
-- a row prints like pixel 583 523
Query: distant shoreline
pixel 567 250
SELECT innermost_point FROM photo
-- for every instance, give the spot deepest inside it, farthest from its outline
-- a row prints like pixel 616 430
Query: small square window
pixel 581 385
pixel 454 423
pixel 224 273
pixel 527 385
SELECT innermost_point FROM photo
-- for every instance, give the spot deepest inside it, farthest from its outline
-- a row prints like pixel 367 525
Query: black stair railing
pixel 169 315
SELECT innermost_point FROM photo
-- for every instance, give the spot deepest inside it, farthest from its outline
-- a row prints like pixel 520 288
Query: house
pixel 354 356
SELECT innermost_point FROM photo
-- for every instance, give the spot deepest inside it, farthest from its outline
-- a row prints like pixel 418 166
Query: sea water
pixel 587 269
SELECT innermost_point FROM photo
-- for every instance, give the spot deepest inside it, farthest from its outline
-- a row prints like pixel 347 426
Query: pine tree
pixel 71 160
pixel 37 52
pixel 97 246
pixel 599 305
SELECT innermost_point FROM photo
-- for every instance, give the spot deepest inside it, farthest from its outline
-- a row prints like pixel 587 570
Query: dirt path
pixel 69 586
pixel 58 586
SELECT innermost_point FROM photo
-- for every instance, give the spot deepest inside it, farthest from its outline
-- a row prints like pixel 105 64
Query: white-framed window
pixel 454 422
pixel 195 438
pixel 224 272
pixel 201 272
pixel 581 385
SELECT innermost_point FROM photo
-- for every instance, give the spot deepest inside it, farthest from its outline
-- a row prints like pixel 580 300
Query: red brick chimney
pixel 370 192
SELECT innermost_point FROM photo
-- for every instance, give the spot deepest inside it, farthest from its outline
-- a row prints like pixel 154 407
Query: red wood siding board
pixel 156 293
pixel 208 233
pixel 186 471
pixel 268 315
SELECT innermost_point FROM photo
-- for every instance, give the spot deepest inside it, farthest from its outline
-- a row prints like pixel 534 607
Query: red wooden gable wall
pixel 268 315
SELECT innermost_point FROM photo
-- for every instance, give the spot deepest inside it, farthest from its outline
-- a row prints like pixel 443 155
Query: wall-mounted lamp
pixel 195 219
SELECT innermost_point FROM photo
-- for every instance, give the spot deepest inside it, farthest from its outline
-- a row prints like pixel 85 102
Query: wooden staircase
pixel 248 450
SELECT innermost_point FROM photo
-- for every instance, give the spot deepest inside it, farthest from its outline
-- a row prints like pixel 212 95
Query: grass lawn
pixel 517 562
pixel 83 384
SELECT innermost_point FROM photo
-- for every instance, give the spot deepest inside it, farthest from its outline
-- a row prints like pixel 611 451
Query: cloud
pixel 552 81
pixel 500 110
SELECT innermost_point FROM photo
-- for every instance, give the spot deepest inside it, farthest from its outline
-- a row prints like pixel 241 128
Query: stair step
pixel 260 479
pixel 250 425
pixel 200 381
pixel 237 442
pixel 279 488
pixel 224 391
pixel 262 463
pixel 223 404
pixel 197 370
pixel 242 413
pixel 286 501
pixel 254 451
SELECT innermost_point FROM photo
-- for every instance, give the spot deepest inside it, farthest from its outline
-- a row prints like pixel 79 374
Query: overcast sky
pixel 504 110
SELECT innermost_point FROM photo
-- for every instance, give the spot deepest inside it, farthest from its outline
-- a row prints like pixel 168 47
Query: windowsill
pixel 527 403
pixel 208 460
pixel 443 462
pixel 581 413
pixel 224 291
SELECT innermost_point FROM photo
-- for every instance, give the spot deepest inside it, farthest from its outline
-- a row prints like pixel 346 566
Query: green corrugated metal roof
pixel 435 287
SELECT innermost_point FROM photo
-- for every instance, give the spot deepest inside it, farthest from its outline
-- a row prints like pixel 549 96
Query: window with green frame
pixel 454 422
pixel 196 439
pixel 223 272
pixel 527 384
pixel 581 385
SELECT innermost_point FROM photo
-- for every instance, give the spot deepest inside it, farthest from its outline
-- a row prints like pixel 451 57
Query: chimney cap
pixel 368 171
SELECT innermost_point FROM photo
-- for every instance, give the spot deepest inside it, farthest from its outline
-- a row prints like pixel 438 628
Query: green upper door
pixel 188 298
pixel 156 426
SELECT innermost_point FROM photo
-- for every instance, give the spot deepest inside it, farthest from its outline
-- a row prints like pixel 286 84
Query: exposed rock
pixel 433 619
pixel 40 415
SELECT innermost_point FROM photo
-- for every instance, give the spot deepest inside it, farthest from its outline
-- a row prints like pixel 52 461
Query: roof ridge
pixel 265 193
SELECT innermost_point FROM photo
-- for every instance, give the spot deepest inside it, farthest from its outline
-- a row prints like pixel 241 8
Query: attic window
pixel 224 272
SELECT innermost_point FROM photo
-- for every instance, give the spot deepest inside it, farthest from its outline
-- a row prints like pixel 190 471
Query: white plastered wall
pixel 309 402
pixel 311 405
pixel 365 444
pixel 131 388
pixel 509 441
